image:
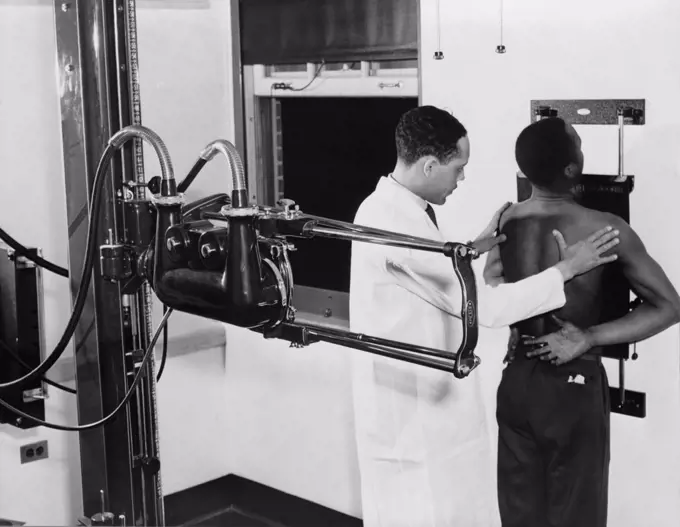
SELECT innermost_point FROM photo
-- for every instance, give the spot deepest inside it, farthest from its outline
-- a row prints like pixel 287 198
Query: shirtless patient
pixel 553 405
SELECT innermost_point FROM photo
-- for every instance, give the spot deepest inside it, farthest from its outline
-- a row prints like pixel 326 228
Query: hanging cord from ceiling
pixel 501 48
pixel 439 54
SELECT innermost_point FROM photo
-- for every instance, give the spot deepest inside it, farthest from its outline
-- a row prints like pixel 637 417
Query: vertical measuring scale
pixel 144 300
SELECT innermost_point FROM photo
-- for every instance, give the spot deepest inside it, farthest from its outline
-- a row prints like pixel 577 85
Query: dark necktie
pixel 431 214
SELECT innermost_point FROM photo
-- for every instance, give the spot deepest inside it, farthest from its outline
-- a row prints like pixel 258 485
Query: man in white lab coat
pixel 424 452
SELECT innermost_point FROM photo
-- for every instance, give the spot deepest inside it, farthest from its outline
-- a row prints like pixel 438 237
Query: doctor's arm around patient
pixel 430 277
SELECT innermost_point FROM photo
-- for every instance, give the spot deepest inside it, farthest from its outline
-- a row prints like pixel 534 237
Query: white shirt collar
pixel 391 185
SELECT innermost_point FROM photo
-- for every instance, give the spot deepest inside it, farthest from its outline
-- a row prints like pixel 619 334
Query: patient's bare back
pixel 531 248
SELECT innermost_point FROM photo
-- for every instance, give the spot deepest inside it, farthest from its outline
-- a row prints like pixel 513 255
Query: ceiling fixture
pixel 501 48
pixel 439 54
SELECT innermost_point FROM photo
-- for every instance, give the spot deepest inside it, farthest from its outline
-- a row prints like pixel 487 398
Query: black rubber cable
pixel 23 251
pixel 20 361
pixel 121 405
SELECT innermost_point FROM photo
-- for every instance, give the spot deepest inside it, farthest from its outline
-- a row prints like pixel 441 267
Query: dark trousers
pixel 553 444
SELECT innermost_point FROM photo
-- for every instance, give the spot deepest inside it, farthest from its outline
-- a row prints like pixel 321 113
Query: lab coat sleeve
pixel 431 277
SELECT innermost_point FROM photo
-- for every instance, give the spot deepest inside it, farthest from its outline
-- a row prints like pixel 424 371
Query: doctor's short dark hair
pixel 428 131
pixel 543 150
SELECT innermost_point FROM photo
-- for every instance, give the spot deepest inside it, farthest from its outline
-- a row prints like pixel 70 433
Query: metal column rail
pixel 120 458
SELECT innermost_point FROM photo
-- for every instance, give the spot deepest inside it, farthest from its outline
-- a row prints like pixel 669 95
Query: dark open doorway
pixel 334 150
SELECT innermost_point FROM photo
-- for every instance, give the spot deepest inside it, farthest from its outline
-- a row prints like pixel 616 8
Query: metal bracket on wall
pixel 21 334
pixel 628 402
pixel 591 111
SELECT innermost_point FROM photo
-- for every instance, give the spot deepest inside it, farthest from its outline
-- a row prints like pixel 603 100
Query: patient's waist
pixel 522 349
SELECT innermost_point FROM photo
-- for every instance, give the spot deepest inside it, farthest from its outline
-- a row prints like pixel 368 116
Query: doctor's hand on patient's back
pixel 585 255
pixel 487 240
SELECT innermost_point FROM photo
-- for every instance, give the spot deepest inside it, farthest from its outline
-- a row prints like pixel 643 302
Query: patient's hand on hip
pixel 562 346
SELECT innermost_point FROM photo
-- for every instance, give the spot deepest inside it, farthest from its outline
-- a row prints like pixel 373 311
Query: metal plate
pixel 321 306
pixel 21 332
pixel 634 403
pixel 601 111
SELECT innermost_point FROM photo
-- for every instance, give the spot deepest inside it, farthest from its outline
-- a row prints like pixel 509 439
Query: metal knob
pixel 207 250
pixel 173 244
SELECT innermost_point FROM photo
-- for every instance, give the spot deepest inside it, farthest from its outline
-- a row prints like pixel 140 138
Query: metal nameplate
pixel 591 111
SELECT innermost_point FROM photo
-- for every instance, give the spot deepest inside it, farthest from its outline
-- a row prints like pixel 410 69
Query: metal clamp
pixel 466 360
pixel 290 208
pixel 241 212
pixel 36 394
pixel 168 201
pixel 543 112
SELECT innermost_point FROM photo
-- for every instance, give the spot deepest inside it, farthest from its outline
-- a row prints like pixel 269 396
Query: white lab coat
pixel 424 450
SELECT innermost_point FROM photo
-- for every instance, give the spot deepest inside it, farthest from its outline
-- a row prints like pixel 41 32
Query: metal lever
pixel 289 206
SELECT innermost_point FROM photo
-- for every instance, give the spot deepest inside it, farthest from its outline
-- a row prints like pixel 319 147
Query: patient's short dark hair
pixel 428 131
pixel 543 150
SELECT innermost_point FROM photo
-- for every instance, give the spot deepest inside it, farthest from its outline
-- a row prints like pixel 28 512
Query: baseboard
pixel 234 492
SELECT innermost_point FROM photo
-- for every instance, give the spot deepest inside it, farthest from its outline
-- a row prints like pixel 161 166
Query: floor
pixel 233 501
pixel 231 518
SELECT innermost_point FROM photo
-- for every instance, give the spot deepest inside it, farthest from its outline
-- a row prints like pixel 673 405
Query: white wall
pixel 578 50
pixel 282 416
pixel 186 82
pixel 290 423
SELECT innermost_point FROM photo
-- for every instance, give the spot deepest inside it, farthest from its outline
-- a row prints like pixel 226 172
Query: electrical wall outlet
pixel 33 452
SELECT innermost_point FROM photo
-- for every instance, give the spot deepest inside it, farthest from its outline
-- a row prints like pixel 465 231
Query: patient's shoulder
pixel 598 218
pixel 509 214
pixel 629 240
